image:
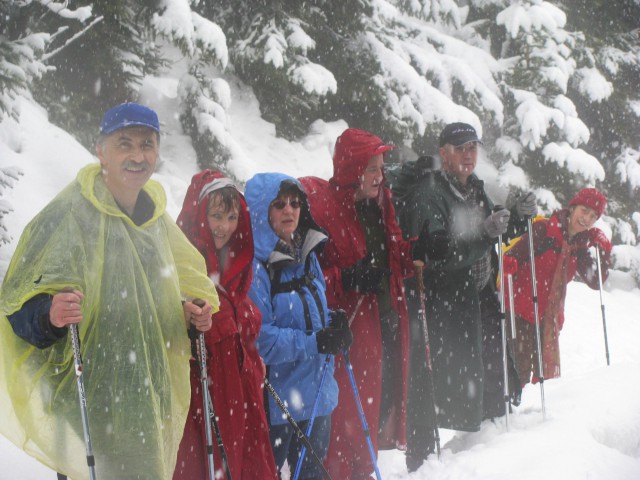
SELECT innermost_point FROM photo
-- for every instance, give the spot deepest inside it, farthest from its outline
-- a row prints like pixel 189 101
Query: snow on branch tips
pixel 593 85
pixel 211 38
pixel 628 168
pixel 275 46
pixel 314 78
pixel 534 118
pixel 176 23
pixel 531 15
pixel 575 160
pixel 81 13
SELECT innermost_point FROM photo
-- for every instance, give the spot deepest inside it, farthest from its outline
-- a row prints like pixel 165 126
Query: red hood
pixel 351 156
pixel 236 278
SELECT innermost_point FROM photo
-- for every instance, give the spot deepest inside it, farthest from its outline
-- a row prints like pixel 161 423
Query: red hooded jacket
pixel 234 366
pixel 333 208
pixel 548 236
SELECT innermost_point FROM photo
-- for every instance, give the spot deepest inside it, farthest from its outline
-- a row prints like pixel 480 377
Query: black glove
pixel 364 277
pixel 430 246
pixel 334 339
pixel 338 318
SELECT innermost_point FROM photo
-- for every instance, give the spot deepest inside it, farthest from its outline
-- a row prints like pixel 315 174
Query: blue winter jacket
pixel 287 340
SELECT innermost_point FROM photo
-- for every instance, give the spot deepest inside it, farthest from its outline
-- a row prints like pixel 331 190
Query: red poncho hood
pixel 236 277
pixel 351 156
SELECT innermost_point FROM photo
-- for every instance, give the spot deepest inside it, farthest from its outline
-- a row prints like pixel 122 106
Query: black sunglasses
pixel 280 204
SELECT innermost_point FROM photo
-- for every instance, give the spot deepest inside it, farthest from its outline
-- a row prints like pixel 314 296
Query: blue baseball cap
pixel 129 115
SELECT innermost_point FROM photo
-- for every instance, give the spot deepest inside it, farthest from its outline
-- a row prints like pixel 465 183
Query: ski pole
pixel 604 318
pixel 317 401
pixel 77 360
pixel 299 433
pixel 363 420
pixel 512 312
pixel 356 396
pixel 303 452
pixel 512 317
pixel 534 288
pixel 221 449
pixel 419 266
pixel 503 327
pixel 204 385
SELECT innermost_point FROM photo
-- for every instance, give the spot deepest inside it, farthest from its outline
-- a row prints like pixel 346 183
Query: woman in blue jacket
pixel 289 289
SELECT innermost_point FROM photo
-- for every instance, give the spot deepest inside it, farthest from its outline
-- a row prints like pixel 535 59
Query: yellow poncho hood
pixel 134 341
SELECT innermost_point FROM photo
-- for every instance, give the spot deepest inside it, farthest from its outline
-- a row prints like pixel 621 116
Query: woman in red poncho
pixel 560 246
pixel 365 257
pixel 215 218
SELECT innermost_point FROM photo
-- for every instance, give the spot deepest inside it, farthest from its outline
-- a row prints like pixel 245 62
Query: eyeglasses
pixel 280 204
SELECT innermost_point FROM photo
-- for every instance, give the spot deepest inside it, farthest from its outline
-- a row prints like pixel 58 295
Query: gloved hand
pixel 598 238
pixel 364 277
pixel 526 205
pixel 430 246
pixel 338 318
pixel 336 337
pixel 497 223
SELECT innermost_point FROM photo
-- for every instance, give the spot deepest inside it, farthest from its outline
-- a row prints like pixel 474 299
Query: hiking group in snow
pixel 302 321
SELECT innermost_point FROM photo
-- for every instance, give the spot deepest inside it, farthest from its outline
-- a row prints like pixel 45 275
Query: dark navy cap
pixel 457 134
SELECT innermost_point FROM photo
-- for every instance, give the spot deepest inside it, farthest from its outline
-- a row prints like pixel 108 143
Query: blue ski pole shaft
pixel 315 405
pixel 363 420
pixel 314 412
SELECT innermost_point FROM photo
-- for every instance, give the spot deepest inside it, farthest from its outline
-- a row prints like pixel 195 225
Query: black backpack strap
pixel 297 285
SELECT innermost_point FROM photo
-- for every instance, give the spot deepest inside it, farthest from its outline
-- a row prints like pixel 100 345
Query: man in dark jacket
pixel 462 309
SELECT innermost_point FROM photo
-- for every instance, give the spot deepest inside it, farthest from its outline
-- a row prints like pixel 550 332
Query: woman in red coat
pixel 365 257
pixel 560 246
pixel 215 218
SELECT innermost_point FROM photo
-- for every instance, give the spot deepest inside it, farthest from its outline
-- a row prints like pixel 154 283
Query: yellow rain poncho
pixel 134 340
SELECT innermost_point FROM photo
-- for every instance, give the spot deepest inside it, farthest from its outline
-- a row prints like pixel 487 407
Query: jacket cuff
pixel 311 344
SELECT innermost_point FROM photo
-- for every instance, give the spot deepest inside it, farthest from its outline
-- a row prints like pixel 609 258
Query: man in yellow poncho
pixel 103 254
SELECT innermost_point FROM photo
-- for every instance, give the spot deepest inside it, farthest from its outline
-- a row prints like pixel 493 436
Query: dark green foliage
pixel 104 67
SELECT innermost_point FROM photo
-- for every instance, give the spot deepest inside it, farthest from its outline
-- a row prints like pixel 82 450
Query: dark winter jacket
pixel 290 319
pixel 453 302
pixel 234 366
pixel 333 206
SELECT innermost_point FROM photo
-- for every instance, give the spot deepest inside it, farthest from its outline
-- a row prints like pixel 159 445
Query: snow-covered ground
pixel 592 426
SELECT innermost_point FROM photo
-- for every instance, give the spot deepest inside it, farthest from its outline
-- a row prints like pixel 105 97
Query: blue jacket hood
pixel 259 192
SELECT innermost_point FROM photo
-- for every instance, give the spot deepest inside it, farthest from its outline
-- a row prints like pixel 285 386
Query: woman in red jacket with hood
pixel 560 247
pixel 365 257
pixel 216 220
